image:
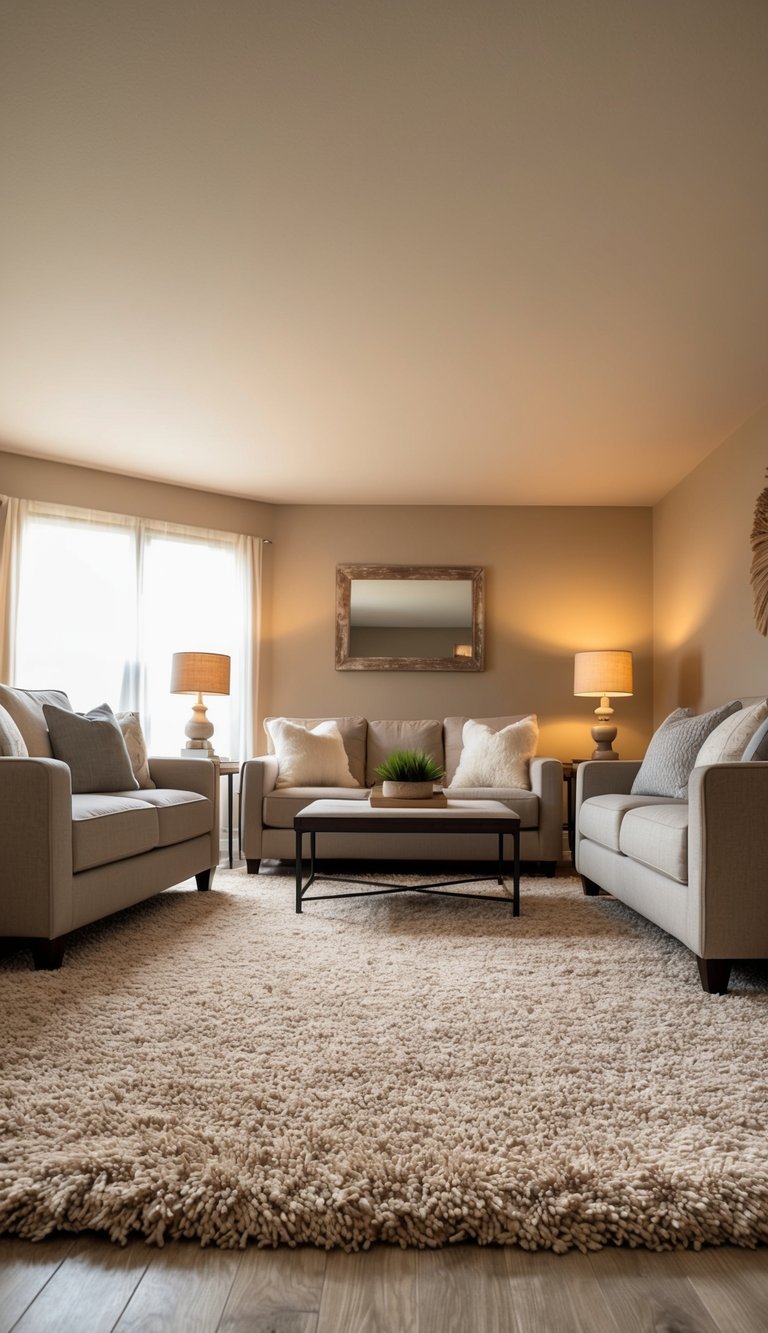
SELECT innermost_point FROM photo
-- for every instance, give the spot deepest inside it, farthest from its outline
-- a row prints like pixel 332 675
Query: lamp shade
pixel 606 671
pixel 200 673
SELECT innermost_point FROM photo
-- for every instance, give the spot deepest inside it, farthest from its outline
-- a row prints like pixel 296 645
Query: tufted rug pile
pixel 405 1069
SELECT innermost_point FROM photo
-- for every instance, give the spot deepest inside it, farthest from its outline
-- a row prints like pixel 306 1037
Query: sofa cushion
pixel 92 745
pixel 310 756
pixel 26 709
pixel 12 743
pixel 601 817
pixel 672 751
pixel 353 731
pixel 384 737
pixel 523 803
pixel 108 828
pixel 281 806
pixel 497 758
pixel 657 836
pixel 727 743
pixel 181 814
pixel 453 737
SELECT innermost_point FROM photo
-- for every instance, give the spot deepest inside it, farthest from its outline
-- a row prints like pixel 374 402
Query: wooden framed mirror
pixel 410 618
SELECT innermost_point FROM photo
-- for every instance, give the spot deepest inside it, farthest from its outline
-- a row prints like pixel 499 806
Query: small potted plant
pixel 409 774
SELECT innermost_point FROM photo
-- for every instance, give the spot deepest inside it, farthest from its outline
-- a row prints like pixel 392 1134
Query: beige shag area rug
pixel 406 1069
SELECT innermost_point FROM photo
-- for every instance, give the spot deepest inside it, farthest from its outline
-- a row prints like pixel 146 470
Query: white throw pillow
pixel 727 743
pixel 305 758
pixel 497 758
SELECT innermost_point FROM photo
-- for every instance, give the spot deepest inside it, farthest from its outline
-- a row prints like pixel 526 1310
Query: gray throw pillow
pixel 92 745
pixel 673 748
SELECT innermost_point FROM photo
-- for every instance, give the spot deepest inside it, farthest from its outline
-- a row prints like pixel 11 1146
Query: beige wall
pixel 557 580
pixel 36 479
pixel 707 649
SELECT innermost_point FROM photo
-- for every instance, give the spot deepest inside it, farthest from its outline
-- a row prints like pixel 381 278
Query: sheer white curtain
pixel 104 600
pixel 12 511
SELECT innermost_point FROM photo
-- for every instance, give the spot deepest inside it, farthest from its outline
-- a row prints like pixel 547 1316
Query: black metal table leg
pixel 299 872
pixel 516 874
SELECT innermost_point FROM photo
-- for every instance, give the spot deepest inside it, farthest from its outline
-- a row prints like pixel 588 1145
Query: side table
pixel 569 778
pixel 228 768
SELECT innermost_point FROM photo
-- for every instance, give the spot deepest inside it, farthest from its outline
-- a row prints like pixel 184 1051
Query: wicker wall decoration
pixel 759 569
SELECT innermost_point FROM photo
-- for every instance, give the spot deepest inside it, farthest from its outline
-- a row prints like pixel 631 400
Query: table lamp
pixel 598 675
pixel 200 673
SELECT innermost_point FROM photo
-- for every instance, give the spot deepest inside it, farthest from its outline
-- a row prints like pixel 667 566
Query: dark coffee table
pixel 358 817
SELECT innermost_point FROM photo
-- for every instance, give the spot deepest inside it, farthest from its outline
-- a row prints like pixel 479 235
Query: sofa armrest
pixel 35 847
pixel 257 778
pixel 598 777
pixel 728 860
pixel 546 778
pixel 198 775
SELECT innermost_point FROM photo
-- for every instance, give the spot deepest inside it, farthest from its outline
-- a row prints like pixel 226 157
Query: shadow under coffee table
pixel 457 817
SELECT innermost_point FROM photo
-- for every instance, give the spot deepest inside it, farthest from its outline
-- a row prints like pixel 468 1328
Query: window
pixel 104 601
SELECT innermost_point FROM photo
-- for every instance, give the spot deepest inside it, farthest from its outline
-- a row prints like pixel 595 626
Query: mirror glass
pixel 409 618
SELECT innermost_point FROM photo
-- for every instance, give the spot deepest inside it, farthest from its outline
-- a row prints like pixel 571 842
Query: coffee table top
pixel 455 810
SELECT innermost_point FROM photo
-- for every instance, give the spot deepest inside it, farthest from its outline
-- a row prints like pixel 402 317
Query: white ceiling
pixel 384 251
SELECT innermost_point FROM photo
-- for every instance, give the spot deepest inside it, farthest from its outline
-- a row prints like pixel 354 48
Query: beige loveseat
pixel 68 860
pixel 697 867
pixel 267 811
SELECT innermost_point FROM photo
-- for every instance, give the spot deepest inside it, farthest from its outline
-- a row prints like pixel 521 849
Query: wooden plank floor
pixel 84 1284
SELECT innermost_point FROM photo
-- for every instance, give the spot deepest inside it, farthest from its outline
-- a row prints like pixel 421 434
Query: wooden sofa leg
pixel 589 886
pixel 715 974
pixel 204 880
pixel 252 866
pixel 48 955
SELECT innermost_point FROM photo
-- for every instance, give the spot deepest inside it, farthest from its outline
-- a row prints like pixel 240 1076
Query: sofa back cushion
pixel 386 736
pixel 453 729
pixel 26 709
pixel 352 731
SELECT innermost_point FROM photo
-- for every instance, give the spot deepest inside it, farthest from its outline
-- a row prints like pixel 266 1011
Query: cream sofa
pixel 68 860
pixel 697 867
pixel 267 811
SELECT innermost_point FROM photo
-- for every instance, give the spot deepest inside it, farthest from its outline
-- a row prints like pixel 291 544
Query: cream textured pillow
pixel 305 758
pixel 673 748
pixel 12 745
pixel 130 725
pixel 727 743
pixel 497 758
